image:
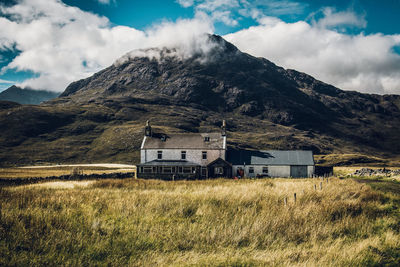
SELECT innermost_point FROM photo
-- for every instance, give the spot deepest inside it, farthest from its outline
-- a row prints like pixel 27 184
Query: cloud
pixel 185 38
pixel 6 81
pixel 230 12
pixel 365 63
pixel 333 19
pixel 106 2
pixel 185 3
pixel 61 43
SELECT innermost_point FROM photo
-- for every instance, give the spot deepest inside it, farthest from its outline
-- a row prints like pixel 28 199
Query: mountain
pixel 101 118
pixel 27 95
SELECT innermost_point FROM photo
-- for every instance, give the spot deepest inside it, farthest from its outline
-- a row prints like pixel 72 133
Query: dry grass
pixel 200 223
pixel 35 171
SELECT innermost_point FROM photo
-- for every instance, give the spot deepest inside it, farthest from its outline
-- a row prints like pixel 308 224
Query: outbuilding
pixel 272 163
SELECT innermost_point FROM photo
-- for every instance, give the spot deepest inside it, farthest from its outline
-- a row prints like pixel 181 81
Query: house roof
pixel 169 163
pixel 271 157
pixel 185 141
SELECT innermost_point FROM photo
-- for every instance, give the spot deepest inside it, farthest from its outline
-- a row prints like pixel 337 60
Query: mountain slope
pixel 101 118
pixel 26 96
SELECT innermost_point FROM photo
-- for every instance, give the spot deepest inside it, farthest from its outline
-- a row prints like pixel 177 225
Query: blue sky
pixel 354 45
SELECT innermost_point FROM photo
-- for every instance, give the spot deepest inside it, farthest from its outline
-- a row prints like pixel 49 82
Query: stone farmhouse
pixel 205 155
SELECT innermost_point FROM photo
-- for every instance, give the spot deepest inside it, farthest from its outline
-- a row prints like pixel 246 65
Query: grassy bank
pixel 216 222
pixel 58 170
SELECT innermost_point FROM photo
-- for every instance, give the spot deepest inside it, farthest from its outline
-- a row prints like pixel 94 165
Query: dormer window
pixel 206 139
pixel 163 138
pixel 183 154
pixel 159 154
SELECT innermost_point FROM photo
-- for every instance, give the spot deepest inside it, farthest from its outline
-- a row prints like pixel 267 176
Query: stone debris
pixel 377 172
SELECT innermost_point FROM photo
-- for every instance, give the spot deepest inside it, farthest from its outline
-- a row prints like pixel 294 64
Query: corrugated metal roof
pixel 185 141
pixel 169 163
pixel 271 157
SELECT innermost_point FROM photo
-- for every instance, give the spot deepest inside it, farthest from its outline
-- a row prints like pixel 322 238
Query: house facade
pixel 272 163
pixel 184 155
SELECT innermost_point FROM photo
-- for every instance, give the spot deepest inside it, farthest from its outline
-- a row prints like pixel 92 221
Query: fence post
pixel 294 198
pixel 320 185
pixel 285 200
pixel 315 187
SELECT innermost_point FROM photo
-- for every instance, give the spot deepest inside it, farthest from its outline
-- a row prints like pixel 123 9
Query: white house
pixel 183 155
pixel 271 163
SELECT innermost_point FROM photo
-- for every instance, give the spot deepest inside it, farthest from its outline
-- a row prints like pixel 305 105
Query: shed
pixel 272 163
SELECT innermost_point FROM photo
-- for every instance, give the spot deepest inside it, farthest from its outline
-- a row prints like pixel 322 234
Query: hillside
pixel 27 95
pixel 101 118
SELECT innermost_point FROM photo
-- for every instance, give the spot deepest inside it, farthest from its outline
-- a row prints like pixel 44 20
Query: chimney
pixel 223 128
pixel 147 130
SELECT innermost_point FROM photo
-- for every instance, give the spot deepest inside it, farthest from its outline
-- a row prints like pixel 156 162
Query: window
pixel 167 170
pixel 251 169
pixel 219 170
pixel 265 170
pixel 180 170
pixel 159 154
pixel 183 154
pixel 204 155
pixel 147 169
pixel 206 139
pixel 187 169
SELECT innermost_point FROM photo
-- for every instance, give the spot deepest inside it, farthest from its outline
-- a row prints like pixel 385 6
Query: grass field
pixel 58 170
pixel 213 222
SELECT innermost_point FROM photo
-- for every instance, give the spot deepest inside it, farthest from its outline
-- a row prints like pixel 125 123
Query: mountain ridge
pixel 101 118
pixel 26 95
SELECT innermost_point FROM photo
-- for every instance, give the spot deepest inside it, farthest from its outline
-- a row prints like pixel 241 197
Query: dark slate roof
pixel 185 141
pixel 271 157
pixel 169 163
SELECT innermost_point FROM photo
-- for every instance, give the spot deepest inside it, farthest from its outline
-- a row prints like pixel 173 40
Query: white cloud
pixel 6 81
pixel 360 62
pixel 333 19
pixel 62 43
pixel 185 3
pixel 105 2
pixel 230 12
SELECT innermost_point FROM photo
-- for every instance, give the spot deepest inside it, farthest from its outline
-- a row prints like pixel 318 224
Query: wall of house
pixel 192 155
pixel 273 170
pixel 310 170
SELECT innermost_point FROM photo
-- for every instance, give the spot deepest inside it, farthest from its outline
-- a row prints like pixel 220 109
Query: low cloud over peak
pixel 60 43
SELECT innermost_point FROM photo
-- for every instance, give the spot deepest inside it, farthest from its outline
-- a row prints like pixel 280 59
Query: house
pixel 183 155
pixel 271 163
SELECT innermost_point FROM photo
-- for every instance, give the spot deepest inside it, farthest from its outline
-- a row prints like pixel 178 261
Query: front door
pixel 298 171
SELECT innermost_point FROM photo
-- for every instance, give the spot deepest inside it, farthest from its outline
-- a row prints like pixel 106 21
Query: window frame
pixel 204 155
pixel 218 170
pixel 159 154
pixel 147 169
pixel 251 170
pixel 183 155
pixel 265 168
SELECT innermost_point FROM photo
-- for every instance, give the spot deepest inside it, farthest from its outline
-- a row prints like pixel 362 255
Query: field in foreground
pixel 214 222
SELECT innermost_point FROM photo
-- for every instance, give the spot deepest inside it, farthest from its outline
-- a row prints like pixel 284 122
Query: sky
pixel 354 45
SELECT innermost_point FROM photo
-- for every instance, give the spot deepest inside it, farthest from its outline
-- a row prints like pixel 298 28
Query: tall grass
pixel 216 222
pixel 10 173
